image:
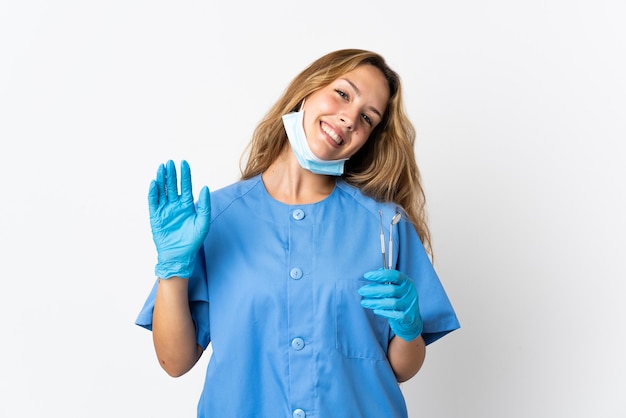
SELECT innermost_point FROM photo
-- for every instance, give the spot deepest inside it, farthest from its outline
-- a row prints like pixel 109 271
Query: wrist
pixel 407 333
pixel 167 270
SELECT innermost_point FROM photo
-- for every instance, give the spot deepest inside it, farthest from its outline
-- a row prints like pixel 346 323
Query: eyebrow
pixel 358 92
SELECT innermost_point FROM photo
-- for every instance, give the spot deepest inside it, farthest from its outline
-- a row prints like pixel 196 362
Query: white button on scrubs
pixel 297 343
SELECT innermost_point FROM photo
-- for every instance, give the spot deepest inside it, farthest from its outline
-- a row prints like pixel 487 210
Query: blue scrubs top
pixel 274 291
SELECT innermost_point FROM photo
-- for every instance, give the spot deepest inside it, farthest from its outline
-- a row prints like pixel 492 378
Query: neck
pixel 289 183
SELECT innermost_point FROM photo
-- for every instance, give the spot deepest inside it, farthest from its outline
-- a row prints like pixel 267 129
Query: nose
pixel 348 118
pixel 346 123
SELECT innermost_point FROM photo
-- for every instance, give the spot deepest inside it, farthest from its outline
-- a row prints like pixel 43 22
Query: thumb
pixel 203 209
pixel 153 198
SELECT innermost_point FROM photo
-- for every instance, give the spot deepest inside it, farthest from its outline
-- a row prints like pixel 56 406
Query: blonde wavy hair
pixel 385 167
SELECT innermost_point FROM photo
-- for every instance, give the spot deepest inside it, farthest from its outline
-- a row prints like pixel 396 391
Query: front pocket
pixel 360 333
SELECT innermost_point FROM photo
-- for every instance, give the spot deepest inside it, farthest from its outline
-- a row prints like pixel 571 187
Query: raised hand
pixel 178 226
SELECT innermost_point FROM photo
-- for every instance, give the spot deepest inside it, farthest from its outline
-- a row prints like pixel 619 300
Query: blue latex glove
pixel 392 295
pixel 178 229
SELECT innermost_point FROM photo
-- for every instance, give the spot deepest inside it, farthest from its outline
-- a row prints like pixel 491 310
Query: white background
pixel 520 110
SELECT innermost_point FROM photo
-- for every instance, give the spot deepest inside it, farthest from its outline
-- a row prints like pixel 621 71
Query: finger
pixel 204 202
pixel 390 314
pixel 377 290
pixel 380 304
pixel 153 198
pixel 203 217
pixel 160 184
pixel 171 182
pixel 384 276
pixel 186 194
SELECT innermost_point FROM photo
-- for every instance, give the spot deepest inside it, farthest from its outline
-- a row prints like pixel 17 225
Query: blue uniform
pixel 274 290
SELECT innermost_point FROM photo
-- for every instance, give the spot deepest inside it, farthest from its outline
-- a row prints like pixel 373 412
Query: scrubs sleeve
pixel 198 303
pixel 436 310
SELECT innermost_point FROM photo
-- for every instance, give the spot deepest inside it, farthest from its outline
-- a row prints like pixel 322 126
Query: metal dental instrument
pixel 382 237
pixel 394 220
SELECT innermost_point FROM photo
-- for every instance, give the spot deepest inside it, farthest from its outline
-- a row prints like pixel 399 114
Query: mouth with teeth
pixel 337 139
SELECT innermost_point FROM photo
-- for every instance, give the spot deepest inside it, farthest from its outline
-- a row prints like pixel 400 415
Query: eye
pixel 367 119
pixel 342 94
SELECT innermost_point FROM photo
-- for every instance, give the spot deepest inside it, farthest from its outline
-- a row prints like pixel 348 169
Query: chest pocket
pixel 359 332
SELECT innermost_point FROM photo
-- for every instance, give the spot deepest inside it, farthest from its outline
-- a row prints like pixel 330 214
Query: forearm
pixel 173 330
pixel 406 357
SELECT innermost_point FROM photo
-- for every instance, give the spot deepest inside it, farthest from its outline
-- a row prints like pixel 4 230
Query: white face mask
pixel 308 160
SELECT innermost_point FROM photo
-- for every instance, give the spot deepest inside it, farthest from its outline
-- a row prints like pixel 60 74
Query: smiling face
pixel 340 117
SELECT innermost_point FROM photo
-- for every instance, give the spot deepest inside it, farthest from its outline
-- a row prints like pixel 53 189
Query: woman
pixel 281 272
